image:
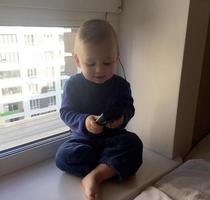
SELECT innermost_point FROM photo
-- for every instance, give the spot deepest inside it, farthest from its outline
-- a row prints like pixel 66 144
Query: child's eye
pixel 107 63
pixel 90 64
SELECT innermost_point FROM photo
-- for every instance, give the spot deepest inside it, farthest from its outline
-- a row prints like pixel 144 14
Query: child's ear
pixel 76 60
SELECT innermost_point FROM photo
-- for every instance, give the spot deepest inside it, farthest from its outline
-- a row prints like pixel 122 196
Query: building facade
pixel 34 64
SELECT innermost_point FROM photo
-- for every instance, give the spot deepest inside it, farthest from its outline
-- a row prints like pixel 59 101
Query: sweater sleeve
pixel 126 103
pixel 69 111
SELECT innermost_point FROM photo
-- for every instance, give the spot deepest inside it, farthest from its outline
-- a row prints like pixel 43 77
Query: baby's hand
pixel 92 126
pixel 116 123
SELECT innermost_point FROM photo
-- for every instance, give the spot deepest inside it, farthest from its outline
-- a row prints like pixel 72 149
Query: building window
pixel 43 102
pixel 16 106
pixel 52 101
pixel 33 88
pixel 51 86
pixel 29 39
pixel 62 70
pixel 33 56
pixel 61 38
pixel 49 71
pixel 48 37
pixel 31 73
pixel 9 74
pixel 8 39
pixel 11 91
pixel 49 55
pixel 34 104
pixel 9 57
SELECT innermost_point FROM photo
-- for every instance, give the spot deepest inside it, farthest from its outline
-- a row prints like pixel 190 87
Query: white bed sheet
pixel 190 181
pixel 152 193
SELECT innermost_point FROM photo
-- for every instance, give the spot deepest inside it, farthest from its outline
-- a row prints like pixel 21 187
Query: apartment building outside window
pixel 9 74
pixel 29 39
pixel 33 88
pixel 8 39
pixel 43 102
pixel 51 86
pixel 31 82
pixel 52 101
pixel 11 91
pixel 62 70
pixel 31 73
pixel 49 71
pixel 13 107
pixel 37 39
pixel 48 37
pixel 48 55
pixel 34 104
pixel 9 57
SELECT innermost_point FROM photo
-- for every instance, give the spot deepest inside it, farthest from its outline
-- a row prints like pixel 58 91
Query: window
pixel 11 91
pixel 29 39
pixel 13 106
pixel 51 86
pixel 43 102
pixel 31 73
pixel 38 124
pixel 9 57
pixel 49 55
pixel 9 74
pixel 52 101
pixel 8 39
pixel 33 88
pixel 34 104
pixel 49 71
pixel 31 81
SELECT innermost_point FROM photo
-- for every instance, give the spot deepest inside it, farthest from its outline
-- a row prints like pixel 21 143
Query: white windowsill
pixel 45 181
pixel 28 155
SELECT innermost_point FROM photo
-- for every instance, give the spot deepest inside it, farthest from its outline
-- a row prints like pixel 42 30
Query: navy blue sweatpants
pixel 81 154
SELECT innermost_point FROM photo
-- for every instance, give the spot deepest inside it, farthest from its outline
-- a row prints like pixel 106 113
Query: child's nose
pixel 98 68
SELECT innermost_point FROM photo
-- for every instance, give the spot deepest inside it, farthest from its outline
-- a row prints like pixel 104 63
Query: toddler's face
pixel 97 60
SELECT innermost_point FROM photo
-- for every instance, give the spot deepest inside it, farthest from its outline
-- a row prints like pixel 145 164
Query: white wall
pixel 152 46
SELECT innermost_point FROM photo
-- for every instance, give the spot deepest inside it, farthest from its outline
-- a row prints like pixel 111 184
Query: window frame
pixel 29 154
pixel 38 151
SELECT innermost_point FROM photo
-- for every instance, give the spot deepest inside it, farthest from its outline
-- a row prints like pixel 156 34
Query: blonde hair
pixel 93 31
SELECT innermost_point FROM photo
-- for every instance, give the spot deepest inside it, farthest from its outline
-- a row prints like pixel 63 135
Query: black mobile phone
pixel 109 116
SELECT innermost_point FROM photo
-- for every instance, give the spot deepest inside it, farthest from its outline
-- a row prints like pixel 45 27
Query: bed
pixel 189 181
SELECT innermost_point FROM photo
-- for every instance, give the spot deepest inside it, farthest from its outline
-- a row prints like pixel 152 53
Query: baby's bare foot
pixel 91 188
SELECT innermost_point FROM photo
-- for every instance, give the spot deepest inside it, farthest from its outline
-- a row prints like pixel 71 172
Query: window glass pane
pixel 35 62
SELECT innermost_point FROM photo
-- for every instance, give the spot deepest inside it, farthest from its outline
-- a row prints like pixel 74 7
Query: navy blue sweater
pixel 82 98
